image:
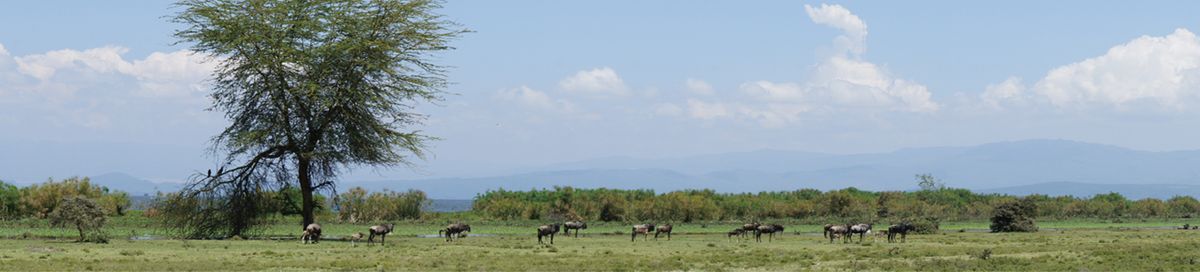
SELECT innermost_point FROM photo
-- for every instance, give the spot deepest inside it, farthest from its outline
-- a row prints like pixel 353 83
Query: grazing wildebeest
pixel 380 230
pixel 354 238
pixel 736 232
pixel 547 230
pixel 459 229
pixel 769 229
pixel 643 229
pixel 861 230
pixel 574 225
pixel 749 228
pixel 663 229
pixel 312 233
pixel 902 229
pixel 838 231
pixel 826 233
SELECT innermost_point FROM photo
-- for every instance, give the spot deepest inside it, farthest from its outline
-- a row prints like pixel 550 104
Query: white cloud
pixel 536 99
pixel 839 83
pixel 1011 91
pixel 698 86
pixel 175 73
pixel 854 30
pixel 705 110
pixel 600 82
pixel 1155 71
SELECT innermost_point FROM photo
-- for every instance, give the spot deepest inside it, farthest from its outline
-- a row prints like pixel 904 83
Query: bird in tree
pixel 311 88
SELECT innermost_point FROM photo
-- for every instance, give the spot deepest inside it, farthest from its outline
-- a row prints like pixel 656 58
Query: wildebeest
pixel 735 232
pixel 643 229
pixel 663 229
pixel 380 230
pixel 311 234
pixel 769 229
pixel 547 230
pixel 354 238
pixel 826 233
pixel 574 225
pixel 749 228
pixel 459 229
pixel 838 231
pixel 902 229
pixel 861 230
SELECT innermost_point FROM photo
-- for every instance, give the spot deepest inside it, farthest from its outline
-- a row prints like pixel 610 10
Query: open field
pixel 1091 249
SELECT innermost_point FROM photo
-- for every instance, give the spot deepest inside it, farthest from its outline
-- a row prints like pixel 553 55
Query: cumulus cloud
pixel 598 82
pixel 854 30
pixel 174 73
pixel 698 86
pixel 841 82
pixel 1160 71
pixel 997 96
pixel 536 99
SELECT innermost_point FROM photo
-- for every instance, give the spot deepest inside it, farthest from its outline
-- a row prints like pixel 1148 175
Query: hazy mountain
pixel 988 166
pixel 1056 167
pixel 132 185
pixel 1131 191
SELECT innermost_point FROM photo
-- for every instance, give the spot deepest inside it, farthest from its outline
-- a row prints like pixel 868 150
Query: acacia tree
pixel 311 87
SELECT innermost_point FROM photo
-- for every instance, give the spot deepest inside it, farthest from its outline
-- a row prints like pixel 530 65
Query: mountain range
pixel 1054 167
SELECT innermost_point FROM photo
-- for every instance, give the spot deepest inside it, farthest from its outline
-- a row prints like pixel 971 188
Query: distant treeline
pixel 38 200
pixel 930 204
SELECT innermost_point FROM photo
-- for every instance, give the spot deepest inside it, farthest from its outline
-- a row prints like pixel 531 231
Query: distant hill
pixel 1131 191
pixel 1057 167
pixel 132 185
pixel 987 166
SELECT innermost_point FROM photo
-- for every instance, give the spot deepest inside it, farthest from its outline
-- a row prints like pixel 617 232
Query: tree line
pixel 932 203
pixel 40 200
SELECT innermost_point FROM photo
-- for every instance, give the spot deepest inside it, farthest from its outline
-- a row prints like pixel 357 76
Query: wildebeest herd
pixel 545 233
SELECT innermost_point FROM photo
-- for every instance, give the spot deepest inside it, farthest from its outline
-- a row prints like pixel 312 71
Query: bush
pixel 39 200
pixel 1015 216
pixel 83 214
pixel 356 205
pixel 10 198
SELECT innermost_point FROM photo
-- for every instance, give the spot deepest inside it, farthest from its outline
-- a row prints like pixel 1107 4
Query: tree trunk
pixel 80 228
pixel 306 190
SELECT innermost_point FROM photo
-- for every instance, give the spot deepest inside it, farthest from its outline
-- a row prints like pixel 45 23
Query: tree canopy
pixel 311 87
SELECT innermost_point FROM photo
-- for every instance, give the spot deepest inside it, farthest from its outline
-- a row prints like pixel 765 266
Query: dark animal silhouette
pixel 749 228
pixel 838 231
pixel 735 232
pixel 379 230
pixel 769 229
pixel 643 229
pixel 459 229
pixel 826 233
pixel 311 234
pixel 548 230
pixel 574 225
pixel 1186 226
pixel 663 229
pixel 861 230
pixel 902 229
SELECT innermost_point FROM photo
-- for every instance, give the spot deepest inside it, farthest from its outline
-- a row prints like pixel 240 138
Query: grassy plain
pixel 1067 245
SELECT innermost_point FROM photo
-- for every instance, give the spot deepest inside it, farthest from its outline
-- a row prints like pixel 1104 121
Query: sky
pixel 91 87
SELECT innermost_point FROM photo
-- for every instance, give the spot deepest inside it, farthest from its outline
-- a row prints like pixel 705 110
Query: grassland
pixel 1066 245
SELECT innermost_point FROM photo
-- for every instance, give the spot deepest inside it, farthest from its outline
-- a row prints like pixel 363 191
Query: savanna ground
pixel 1062 245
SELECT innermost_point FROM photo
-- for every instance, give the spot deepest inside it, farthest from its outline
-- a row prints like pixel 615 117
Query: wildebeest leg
pixel 634 236
pixel 904 237
pixel 551 238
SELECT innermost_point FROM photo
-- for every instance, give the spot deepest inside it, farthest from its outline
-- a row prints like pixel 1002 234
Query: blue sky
pixel 89 87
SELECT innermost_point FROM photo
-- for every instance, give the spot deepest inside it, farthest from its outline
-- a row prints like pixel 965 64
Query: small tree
pixel 1015 216
pixel 929 183
pixel 79 212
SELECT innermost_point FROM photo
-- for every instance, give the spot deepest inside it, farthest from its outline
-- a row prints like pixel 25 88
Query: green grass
pixel 1095 249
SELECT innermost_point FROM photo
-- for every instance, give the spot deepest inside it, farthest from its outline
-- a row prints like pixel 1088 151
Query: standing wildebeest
pixel 311 234
pixel 661 229
pixel 355 238
pixel 735 232
pixel 643 229
pixel 861 230
pixel 547 230
pixel 826 233
pixel 749 228
pixel 459 229
pixel 381 230
pixel 769 229
pixel 574 225
pixel 902 229
pixel 838 231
